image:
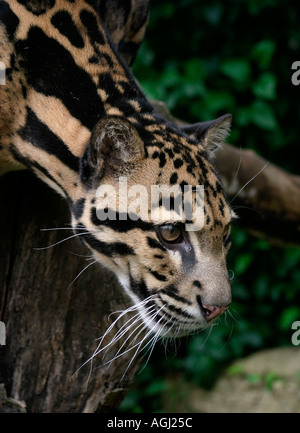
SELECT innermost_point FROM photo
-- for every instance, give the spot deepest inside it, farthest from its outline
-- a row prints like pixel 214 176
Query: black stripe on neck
pixel 38 134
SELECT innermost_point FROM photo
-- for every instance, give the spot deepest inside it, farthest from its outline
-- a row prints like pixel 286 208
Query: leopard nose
pixel 212 311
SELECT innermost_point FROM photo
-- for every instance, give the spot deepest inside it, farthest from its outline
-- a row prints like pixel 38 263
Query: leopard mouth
pixel 170 321
pixel 166 318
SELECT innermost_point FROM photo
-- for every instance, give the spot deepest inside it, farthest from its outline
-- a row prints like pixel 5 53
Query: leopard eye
pixel 171 233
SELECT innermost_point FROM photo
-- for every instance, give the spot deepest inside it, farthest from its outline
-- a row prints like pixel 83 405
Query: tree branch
pixel 265 197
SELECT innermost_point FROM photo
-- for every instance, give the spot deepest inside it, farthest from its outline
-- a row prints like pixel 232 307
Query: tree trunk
pixel 51 329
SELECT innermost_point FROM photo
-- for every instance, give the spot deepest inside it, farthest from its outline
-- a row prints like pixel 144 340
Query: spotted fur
pixel 72 112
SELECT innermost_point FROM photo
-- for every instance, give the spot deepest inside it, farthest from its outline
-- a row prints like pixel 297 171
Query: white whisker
pixel 250 180
pixel 131 346
pixel 85 256
pixel 139 343
pixel 61 241
pixel 119 333
pixel 124 332
pixel 239 166
pixel 59 228
pixel 139 349
pixel 124 328
pixel 135 306
pixel 118 355
pixel 232 275
pixel 87 266
pixel 153 342
pixel 230 313
pixel 67 228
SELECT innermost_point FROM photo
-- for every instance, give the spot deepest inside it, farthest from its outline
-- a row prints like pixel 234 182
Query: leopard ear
pixel 210 134
pixel 114 143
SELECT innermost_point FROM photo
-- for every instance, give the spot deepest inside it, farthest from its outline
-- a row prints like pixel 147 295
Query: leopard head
pixel 137 221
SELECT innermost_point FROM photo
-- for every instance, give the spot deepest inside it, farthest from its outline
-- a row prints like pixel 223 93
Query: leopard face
pixel 175 275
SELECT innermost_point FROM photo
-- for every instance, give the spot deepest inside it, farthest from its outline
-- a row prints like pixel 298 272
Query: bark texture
pixel 51 329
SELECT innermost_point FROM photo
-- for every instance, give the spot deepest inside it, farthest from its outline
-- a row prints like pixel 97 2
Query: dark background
pixel 204 59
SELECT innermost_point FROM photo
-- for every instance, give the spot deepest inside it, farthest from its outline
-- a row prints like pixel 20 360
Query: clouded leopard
pixel 72 112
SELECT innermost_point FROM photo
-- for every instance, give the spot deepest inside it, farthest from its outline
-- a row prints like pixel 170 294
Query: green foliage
pixel 203 59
